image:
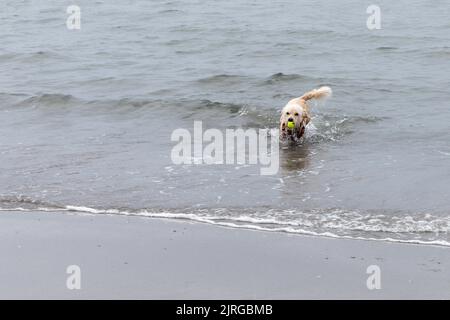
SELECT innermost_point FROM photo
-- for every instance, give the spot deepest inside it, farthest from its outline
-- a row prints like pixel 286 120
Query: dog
pixel 295 114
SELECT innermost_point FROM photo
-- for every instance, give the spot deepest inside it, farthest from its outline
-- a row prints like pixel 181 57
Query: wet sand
pixel 141 258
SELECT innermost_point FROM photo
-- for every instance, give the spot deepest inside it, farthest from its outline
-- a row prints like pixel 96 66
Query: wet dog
pixel 295 115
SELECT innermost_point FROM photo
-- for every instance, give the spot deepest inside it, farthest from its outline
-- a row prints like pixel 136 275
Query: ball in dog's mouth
pixel 291 125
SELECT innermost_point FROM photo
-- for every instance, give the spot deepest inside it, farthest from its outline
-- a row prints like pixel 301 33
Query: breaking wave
pixel 415 228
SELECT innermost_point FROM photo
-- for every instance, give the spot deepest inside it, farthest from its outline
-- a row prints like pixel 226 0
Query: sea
pixel 87 113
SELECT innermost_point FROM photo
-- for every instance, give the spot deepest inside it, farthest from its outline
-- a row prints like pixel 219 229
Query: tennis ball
pixel 291 125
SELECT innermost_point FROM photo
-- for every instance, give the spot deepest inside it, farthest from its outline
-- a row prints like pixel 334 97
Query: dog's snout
pixel 290 119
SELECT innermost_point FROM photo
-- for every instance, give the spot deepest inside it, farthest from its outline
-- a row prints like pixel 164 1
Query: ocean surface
pixel 87 115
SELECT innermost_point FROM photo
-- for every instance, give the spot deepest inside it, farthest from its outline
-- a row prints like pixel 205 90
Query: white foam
pixel 293 227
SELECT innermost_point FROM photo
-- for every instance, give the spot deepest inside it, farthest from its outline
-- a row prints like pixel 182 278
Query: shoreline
pixel 132 257
pixel 81 210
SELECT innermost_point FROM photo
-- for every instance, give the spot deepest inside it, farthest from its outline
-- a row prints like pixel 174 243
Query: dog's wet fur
pixel 297 111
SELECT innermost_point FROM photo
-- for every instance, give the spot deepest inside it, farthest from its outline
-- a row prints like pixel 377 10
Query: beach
pixel 145 258
pixel 98 127
pixel 136 138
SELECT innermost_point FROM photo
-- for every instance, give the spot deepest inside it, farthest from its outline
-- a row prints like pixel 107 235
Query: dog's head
pixel 294 118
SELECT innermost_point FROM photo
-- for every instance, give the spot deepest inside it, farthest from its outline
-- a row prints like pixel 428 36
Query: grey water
pixel 86 116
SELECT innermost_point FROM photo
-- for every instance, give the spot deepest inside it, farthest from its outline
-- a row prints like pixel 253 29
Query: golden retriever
pixel 295 114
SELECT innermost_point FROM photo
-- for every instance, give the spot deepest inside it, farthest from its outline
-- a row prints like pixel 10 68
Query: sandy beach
pixel 139 258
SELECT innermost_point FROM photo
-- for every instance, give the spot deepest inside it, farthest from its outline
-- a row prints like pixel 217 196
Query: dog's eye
pixel 287 113
pixel 296 114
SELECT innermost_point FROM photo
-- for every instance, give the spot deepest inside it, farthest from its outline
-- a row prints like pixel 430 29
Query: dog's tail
pixel 322 92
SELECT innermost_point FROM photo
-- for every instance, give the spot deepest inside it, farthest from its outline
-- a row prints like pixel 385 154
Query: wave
pixel 386 48
pixel 49 99
pixel 307 82
pixel 175 11
pixel 273 79
pixel 221 78
pixel 418 228
pixel 60 99
pixel 252 115
pixel 229 114
pixel 31 57
pixel 281 77
pixel 190 108
pixel 208 104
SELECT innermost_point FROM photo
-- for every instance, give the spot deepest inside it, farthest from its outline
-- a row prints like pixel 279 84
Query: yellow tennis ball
pixel 291 125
